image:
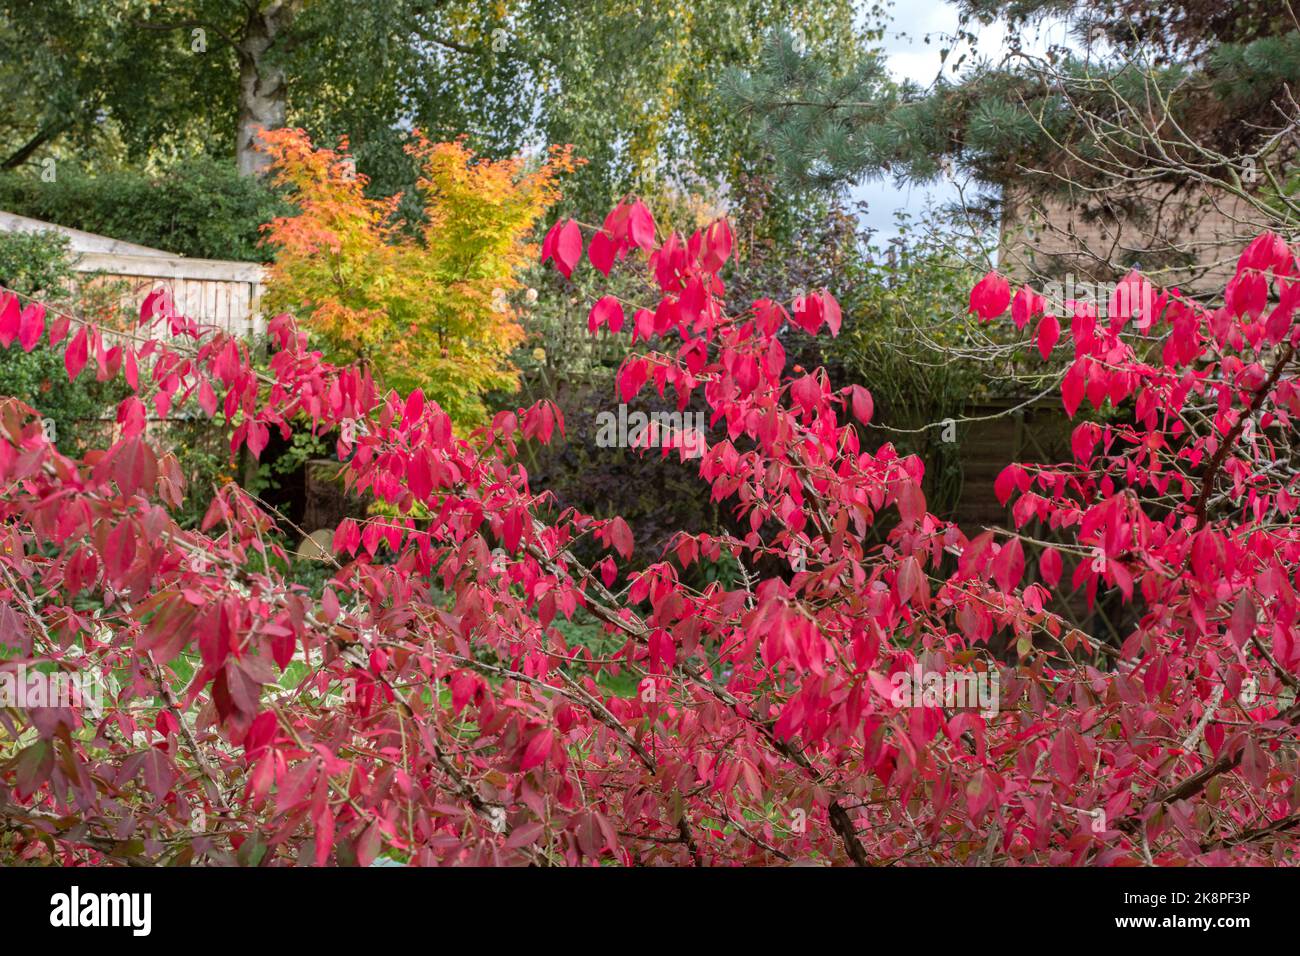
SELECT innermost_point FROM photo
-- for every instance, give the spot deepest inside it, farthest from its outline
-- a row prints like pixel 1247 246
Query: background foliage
pixel 198 207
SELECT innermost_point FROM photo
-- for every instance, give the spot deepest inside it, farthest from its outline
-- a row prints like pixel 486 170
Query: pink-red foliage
pixel 443 718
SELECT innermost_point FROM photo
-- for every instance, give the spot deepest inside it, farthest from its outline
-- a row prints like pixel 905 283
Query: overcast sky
pixel 911 57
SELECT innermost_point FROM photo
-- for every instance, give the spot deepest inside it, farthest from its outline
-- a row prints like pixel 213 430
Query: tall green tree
pixel 629 84
pixel 1218 72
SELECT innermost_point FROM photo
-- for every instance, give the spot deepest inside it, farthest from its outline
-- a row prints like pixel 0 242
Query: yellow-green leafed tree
pixel 431 311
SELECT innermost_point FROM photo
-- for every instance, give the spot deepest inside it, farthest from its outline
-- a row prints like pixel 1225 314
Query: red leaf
pixel 414 407
pixel 863 406
pixel 979 794
pixel 807 391
pixel 119 551
pixel 1025 306
pixel 258 436
pixel 369 844
pixel 135 466
pixel 31 325
pixel 207 399
pixel 1008 480
pixel 1072 387
pixel 631 377
pixel 809 313
pixel 620 535
pixel 1049 567
pixel 157 303
pixel 419 477
pixel 831 311
pixel 1049 333
pixel 59 330
pixel 537 750
pixel 911 502
pixel 1244 615
pixel 329 604
pixel 1009 565
pixel 910 582
pixel 131 416
pixel 717 246
pixel 512 529
pixel 601 252
pixel 34 765
pixel 641 226
pixel 990 297
pixel 607 311
pixel 608 572
pixel 568 248
pixel 324 835
pixel 9 319
pixel 74 359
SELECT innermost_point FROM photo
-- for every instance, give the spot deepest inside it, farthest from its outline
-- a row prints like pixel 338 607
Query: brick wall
pixel 1190 239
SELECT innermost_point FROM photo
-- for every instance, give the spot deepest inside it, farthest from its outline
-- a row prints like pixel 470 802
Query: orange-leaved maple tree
pixel 426 308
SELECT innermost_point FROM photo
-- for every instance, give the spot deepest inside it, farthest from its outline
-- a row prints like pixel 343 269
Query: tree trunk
pixel 42 137
pixel 263 87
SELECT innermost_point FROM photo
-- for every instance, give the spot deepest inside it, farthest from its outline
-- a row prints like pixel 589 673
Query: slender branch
pixel 1229 440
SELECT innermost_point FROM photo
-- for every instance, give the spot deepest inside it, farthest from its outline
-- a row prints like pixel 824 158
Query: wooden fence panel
pixel 210 291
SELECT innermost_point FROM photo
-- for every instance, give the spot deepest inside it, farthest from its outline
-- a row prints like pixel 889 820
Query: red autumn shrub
pixel 427 707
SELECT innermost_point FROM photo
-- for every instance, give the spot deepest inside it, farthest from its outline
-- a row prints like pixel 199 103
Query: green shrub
pixel 201 207
pixel 35 263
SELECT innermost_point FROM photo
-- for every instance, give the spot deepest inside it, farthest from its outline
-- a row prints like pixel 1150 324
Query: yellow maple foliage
pixel 430 311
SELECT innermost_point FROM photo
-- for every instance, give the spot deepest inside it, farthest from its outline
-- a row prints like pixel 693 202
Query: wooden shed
pixel 211 291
